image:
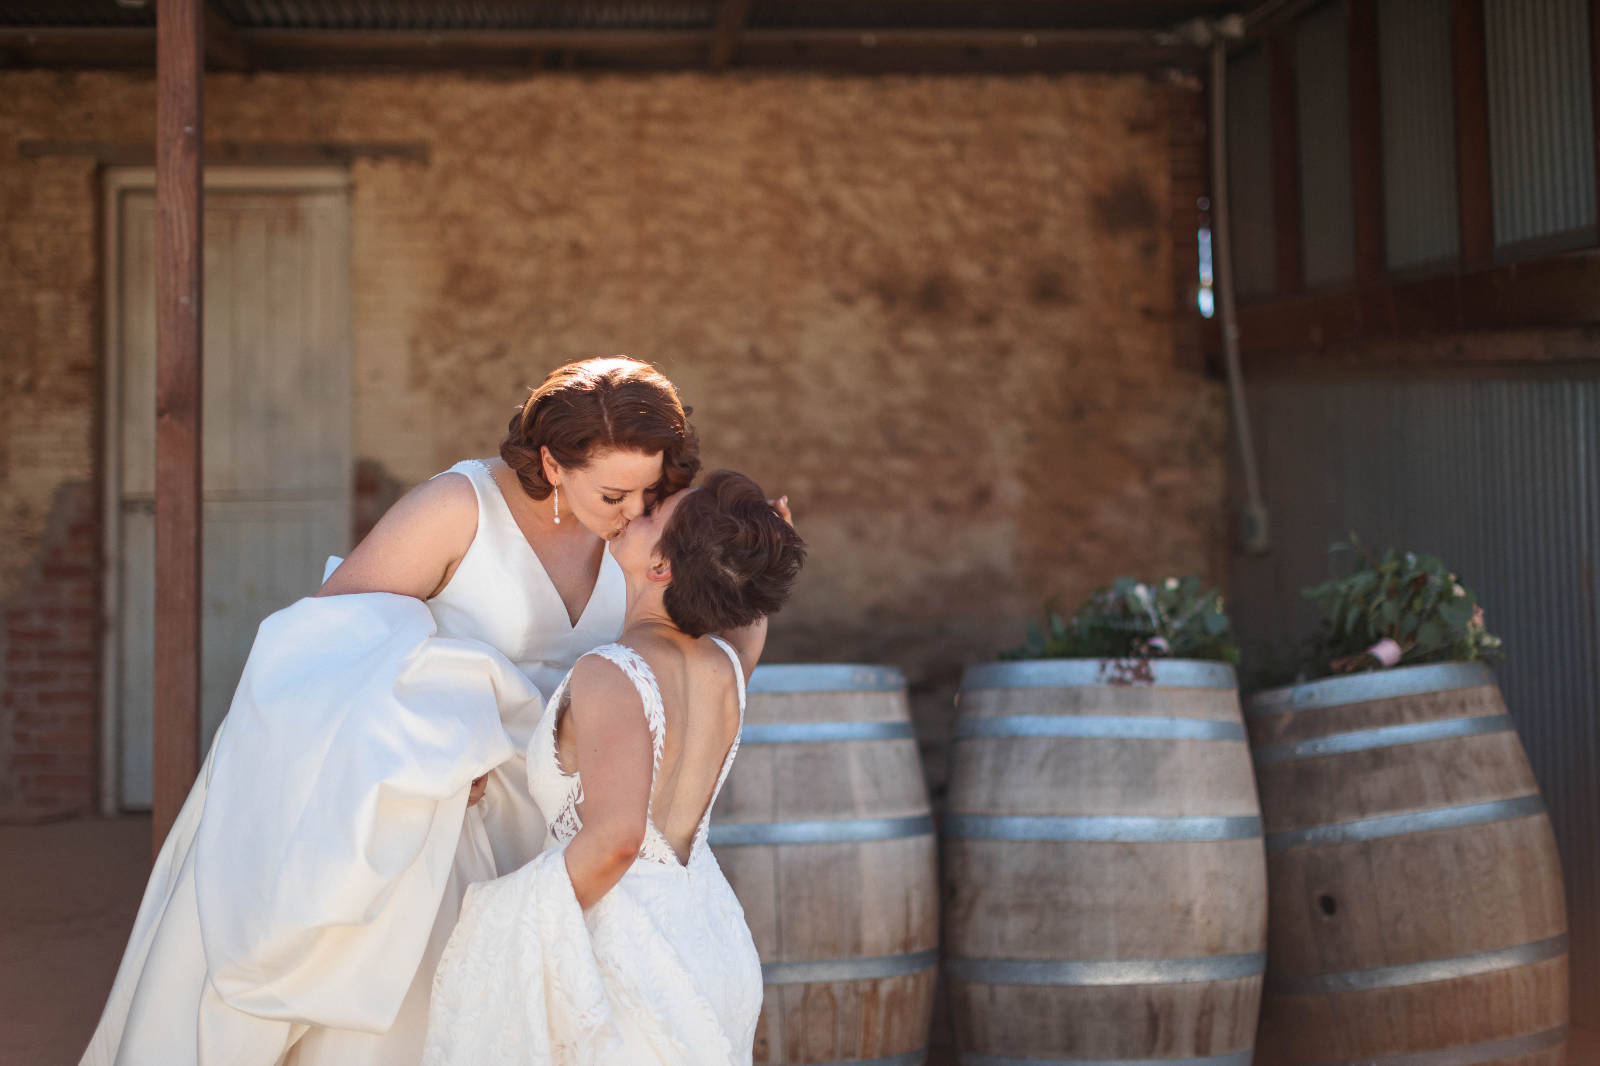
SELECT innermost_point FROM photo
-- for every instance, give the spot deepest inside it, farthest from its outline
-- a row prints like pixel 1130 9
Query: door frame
pixel 117 182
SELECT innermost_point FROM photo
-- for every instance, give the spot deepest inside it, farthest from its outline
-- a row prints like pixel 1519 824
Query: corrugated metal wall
pixel 1250 174
pixel 1322 99
pixel 1541 134
pixel 1501 479
pixel 1415 72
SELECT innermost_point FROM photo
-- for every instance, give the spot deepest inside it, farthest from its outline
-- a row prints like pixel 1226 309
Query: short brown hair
pixel 612 402
pixel 733 557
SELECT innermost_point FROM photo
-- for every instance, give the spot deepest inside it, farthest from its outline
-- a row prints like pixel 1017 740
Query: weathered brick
pixel 67 698
pixel 925 308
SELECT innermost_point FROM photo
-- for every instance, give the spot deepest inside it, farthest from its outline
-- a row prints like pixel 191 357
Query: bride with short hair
pixel 622 943
pixel 371 764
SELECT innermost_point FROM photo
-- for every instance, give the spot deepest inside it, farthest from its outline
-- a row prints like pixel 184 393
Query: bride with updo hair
pixel 371 765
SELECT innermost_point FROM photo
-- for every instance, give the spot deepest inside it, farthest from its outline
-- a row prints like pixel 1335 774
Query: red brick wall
pixel 50 673
pixel 947 316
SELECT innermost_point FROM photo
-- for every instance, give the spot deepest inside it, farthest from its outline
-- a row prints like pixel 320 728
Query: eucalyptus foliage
pixel 1407 598
pixel 1173 619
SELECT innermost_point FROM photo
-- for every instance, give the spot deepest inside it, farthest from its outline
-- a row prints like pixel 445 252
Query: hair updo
pixel 611 402
pixel 733 557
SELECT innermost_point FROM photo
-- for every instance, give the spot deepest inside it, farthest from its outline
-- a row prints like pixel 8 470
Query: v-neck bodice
pixel 501 594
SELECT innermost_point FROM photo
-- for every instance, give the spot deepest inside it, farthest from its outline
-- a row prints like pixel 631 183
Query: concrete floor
pixel 67 901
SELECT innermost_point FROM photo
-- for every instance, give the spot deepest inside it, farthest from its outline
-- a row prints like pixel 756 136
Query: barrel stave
pixel 1007 898
pixel 1268 727
pixel 1369 1026
pixel 1390 908
pixel 832 706
pixel 1396 780
pixel 837 900
pixel 1189 1020
pixel 1134 700
pixel 800 782
pixel 844 1021
pixel 1416 902
pixel 1101 776
pixel 1126 766
pixel 821 910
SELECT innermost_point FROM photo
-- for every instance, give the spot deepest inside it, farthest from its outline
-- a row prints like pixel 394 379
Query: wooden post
pixel 180 43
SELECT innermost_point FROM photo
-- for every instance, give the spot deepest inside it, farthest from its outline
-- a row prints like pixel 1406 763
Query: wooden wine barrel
pixel 1417 913
pixel 1106 888
pixel 825 833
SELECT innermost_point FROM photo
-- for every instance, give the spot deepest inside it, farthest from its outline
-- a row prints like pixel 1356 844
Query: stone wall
pixel 938 312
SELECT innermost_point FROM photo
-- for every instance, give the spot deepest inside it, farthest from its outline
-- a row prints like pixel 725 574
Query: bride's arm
pixel 748 641
pixel 612 745
pixel 415 545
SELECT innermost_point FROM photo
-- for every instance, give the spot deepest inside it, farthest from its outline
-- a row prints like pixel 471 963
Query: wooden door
pixel 276 425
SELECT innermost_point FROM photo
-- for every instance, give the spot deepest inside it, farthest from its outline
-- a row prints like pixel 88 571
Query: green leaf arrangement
pixel 1394 609
pixel 1177 618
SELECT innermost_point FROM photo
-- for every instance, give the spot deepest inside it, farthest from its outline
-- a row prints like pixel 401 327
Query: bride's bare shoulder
pixel 415 547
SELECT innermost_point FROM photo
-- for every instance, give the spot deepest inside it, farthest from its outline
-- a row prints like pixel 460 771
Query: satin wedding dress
pixel 661 970
pixel 300 903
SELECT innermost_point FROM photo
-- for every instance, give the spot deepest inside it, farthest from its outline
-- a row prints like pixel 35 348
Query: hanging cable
pixel 1254 531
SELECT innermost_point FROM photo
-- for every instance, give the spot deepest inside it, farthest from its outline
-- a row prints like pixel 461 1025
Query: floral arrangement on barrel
pixel 1175 618
pixel 1394 609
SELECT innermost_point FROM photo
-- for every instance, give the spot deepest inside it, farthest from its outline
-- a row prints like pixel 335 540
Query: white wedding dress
pixel 300 903
pixel 661 970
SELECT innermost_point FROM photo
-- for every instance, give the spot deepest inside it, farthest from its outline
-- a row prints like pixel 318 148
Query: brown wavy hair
pixel 733 557
pixel 610 402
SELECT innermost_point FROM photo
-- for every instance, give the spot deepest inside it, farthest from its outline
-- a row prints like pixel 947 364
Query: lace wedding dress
pixel 661 970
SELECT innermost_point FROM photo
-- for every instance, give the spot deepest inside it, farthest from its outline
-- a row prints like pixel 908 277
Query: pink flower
pixel 1157 645
pixel 1386 651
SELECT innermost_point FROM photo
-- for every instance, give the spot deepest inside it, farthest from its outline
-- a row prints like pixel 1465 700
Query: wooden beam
pixel 1366 142
pixel 180 51
pixel 1473 173
pixel 111 48
pixel 225 50
pixel 730 22
pixel 867 50
pixel 1285 161
pixel 234 153
pixel 1560 291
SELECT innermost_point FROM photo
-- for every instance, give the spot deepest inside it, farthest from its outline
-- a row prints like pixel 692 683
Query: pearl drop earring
pixel 558 504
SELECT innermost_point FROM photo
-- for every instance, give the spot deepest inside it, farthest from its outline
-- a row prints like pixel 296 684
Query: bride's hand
pixel 781 505
pixel 475 793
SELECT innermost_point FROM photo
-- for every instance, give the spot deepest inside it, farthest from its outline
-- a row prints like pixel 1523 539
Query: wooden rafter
pixel 225 50
pixel 730 21
pixel 870 48
pixel 1559 291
